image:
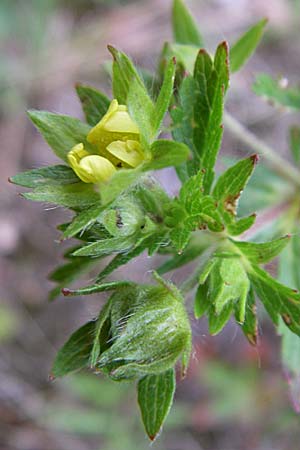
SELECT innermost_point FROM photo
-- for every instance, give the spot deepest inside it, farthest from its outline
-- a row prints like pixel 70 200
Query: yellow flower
pixel 117 127
pixel 90 168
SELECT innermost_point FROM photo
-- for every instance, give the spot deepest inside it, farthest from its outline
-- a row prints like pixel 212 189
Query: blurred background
pixel 234 397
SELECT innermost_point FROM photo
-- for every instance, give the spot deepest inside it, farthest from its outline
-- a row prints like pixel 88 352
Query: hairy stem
pixel 281 166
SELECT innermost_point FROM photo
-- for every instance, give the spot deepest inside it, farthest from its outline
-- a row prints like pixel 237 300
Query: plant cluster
pixel 120 209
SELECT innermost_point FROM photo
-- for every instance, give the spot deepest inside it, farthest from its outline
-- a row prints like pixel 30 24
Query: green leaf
pixel 235 228
pixel 279 300
pixel 75 353
pixel 185 30
pixel 250 325
pixel 294 139
pixel 164 97
pixel 61 132
pixel 46 176
pixel 166 153
pixel 95 288
pixel 246 45
pixel 202 300
pixel 83 221
pixel 232 182
pixel 79 195
pixel 124 73
pixel 277 92
pixel 155 398
pixel 106 246
pixel 212 78
pixel 261 253
pixel 216 322
pixel 94 103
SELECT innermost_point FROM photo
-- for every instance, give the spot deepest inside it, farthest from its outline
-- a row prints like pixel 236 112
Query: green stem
pixel 281 166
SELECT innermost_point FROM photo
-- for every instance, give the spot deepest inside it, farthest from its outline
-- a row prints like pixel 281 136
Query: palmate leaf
pixel 185 30
pixel 60 132
pixel 273 91
pixel 94 103
pixel 155 398
pixel 46 176
pixel 211 78
pixel 241 51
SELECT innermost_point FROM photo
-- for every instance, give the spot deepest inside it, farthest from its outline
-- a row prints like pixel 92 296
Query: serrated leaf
pixel 164 97
pixel 185 30
pixel 79 195
pixel 231 183
pixel 60 132
pixel 124 73
pixel 279 300
pixel 261 253
pixel 95 288
pixel 212 78
pixel 83 221
pixel 294 140
pixel 277 92
pixel 242 50
pixel 165 153
pixel 155 398
pixel 75 353
pixel 94 103
pixel 46 176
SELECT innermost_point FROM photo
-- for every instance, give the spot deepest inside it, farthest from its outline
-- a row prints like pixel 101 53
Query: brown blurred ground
pixel 235 397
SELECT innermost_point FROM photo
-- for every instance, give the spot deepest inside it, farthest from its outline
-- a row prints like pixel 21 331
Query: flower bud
pixel 90 168
pixel 149 331
pixel 124 219
pixel 115 125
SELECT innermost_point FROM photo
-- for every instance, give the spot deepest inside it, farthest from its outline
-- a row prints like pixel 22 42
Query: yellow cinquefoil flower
pixel 116 127
pixel 90 168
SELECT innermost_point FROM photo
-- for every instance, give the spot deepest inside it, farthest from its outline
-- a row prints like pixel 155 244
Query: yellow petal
pixel 116 124
pixel 129 152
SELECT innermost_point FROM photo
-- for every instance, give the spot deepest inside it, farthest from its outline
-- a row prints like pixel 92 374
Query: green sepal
pixel 83 221
pixel 107 246
pixel 97 287
pixel 79 195
pixel 94 103
pixel 155 398
pixel 61 132
pixel 250 324
pixel 165 153
pixel 75 353
pixel 46 176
